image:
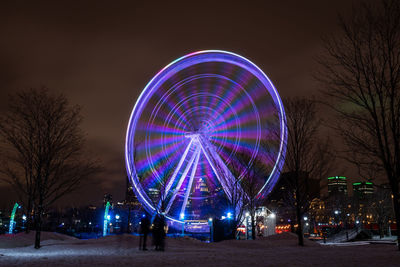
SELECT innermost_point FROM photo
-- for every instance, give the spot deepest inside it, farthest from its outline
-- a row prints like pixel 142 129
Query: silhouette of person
pixel 144 231
pixel 159 232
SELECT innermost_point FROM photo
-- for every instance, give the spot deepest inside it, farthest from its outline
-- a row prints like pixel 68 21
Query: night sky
pixel 101 54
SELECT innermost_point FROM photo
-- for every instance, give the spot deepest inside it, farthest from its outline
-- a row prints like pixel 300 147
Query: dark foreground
pixel 279 250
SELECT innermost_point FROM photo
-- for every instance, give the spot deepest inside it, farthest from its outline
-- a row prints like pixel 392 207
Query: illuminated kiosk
pixel 188 126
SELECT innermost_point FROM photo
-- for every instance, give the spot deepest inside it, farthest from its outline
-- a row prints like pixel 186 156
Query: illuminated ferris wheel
pixel 189 124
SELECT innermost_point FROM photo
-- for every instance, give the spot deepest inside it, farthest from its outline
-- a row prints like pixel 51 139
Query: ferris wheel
pixel 190 123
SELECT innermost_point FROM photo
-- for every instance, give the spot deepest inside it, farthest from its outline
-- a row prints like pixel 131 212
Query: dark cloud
pixel 101 54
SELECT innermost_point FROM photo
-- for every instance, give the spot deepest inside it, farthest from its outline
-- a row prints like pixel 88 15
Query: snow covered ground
pixel 122 250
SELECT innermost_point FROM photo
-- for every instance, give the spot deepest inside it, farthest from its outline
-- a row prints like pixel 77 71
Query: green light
pixel 106 217
pixel 12 222
pixel 356 183
pixel 368 183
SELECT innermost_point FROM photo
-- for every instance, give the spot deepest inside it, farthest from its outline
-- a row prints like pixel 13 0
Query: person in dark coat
pixel 144 231
pixel 159 232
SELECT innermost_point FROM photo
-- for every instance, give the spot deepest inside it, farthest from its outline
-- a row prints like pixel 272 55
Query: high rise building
pixel 363 190
pixel 283 198
pixel 337 185
pixel 107 198
pixel 130 196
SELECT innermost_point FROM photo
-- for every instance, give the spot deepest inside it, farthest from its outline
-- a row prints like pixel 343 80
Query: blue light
pixel 229 215
pixel 106 218
pixel 117 217
pixel 182 216
pixel 12 222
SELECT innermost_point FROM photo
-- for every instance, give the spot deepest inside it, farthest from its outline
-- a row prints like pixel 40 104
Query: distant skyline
pixel 101 54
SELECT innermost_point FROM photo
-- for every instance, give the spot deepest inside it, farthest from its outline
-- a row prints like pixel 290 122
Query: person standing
pixel 144 231
pixel 159 232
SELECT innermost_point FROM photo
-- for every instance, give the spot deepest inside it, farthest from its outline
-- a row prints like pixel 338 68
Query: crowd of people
pixel 157 229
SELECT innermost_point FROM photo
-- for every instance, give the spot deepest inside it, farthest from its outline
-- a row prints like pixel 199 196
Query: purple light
pixel 223 103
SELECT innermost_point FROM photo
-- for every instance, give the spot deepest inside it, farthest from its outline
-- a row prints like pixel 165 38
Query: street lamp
pixel 23 221
pixel 182 217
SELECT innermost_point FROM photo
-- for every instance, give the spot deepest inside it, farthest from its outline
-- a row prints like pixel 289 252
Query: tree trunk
pixel 129 219
pixel 38 224
pixel 28 217
pixel 233 224
pixel 298 215
pixel 253 227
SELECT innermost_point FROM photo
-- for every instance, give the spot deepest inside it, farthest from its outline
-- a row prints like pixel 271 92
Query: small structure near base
pixel 265 223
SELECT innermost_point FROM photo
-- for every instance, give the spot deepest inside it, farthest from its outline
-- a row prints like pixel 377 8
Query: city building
pixel 107 198
pixel 130 196
pixel 337 185
pixel 283 200
pixel 363 190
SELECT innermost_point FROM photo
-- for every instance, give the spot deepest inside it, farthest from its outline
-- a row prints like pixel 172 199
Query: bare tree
pixel 43 156
pixel 361 72
pixel 306 155
pixel 251 174
pixel 235 193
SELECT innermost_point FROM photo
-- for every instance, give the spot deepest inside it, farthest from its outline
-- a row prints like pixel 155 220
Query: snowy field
pixel 277 250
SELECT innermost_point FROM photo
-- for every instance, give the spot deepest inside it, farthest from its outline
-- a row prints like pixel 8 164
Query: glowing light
pixel 106 218
pixel 182 216
pixel 12 222
pixel 117 217
pixel 229 215
pixel 198 112
pixel 336 212
pixel 272 215
pixel 210 219
pixel 24 217
pixel 247 214
pixel 305 218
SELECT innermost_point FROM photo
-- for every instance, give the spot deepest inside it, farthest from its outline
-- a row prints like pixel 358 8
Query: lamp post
pixel 248 225
pixel 23 221
pixel 182 217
